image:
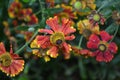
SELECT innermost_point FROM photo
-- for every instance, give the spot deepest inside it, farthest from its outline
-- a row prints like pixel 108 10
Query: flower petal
pixel 46 31
pixel 108 56
pixel 53 23
pixel 93 41
pixel 105 36
pixel 2 48
pixel 100 56
pixel 113 47
pixel 70 37
pixel 66 50
pixel 53 52
pixel 43 41
pixel 67 26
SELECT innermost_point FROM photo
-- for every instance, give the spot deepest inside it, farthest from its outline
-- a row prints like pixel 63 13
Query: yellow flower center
pixel 86 33
pixel 57 38
pixel 102 47
pixel 78 5
pixel 27 18
pixel 6 59
pixel 96 17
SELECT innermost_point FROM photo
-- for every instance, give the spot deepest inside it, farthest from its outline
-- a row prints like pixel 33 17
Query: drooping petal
pixel 43 41
pixel 108 56
pixel 66 50
pixel 113 47
pixel 86 52
pixel 53 23
pixel 2 48
pixel 105 36
pixel 67 26
pixel 53 52
pixel 93 41
pixel 70 37
pixel 46 31
pixel 100 56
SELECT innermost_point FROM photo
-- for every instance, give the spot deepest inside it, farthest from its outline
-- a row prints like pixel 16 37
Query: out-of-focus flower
pixel 28 16
pixel 96 18
pixel 56 37
pixel 116 17
pixel 83 52
pixel 36 50
pixel 103 51
pixel 27 35
pixel 10 63
pixel 86 28
pixel 66 13
pixel 14 9
pixel 80 5
pixel 50 3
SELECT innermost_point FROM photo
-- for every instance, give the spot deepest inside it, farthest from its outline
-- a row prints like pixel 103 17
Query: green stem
pixel 80 41
pixel 19 50
pixel 114 34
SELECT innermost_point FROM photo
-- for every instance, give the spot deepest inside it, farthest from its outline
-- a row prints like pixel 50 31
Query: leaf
pixel 24 28
pixel 110 29
pixel 26 1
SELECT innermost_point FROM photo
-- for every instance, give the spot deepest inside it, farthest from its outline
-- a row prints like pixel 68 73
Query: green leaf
pixel 26 1
pixel 110 29
pixel 24 28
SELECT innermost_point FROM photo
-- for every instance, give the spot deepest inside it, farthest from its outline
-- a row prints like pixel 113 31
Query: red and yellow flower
pixel 50 3
pixel 55 38
pixel 10 63
pixel 86 28
pixel 14 9
pixel 28 16
pixel 103 50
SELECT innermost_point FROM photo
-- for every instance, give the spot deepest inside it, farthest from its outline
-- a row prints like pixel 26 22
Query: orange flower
pixel 86 28
pixel 56 37
pixel 14 9
pixel 11 63
pixel 50 3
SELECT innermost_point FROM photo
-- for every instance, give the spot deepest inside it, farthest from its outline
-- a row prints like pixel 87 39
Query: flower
pixel 10 63
pixel 14 9
pixel 96 18
pixel 56 37
pixel 86 28
pixel 81 5
pixel 116 16
pixel 103 50
pixel 66 13
pixel 50 3
pixel 28 16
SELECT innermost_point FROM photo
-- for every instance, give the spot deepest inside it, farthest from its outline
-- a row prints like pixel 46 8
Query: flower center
pixel 86 33
pixel 102 47
pixel 57 38
pixel 5 59
pixel 96 17
pixel 78 5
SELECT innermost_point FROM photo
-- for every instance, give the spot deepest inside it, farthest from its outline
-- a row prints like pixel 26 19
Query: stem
pixel 19 50
pixel 114 34
pixel 80 41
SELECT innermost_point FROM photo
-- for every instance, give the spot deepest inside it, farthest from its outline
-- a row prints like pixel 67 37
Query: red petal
pixel 105 36
pixel 113 47
pixel 93 41
pixel 108 56
pixel 70 37
pixel 43 41
pixel 46 31
pixel 53 52
pixel 53 23
pixel 100 56
pixel 66 50
pixel 67 27
pixel 2 48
